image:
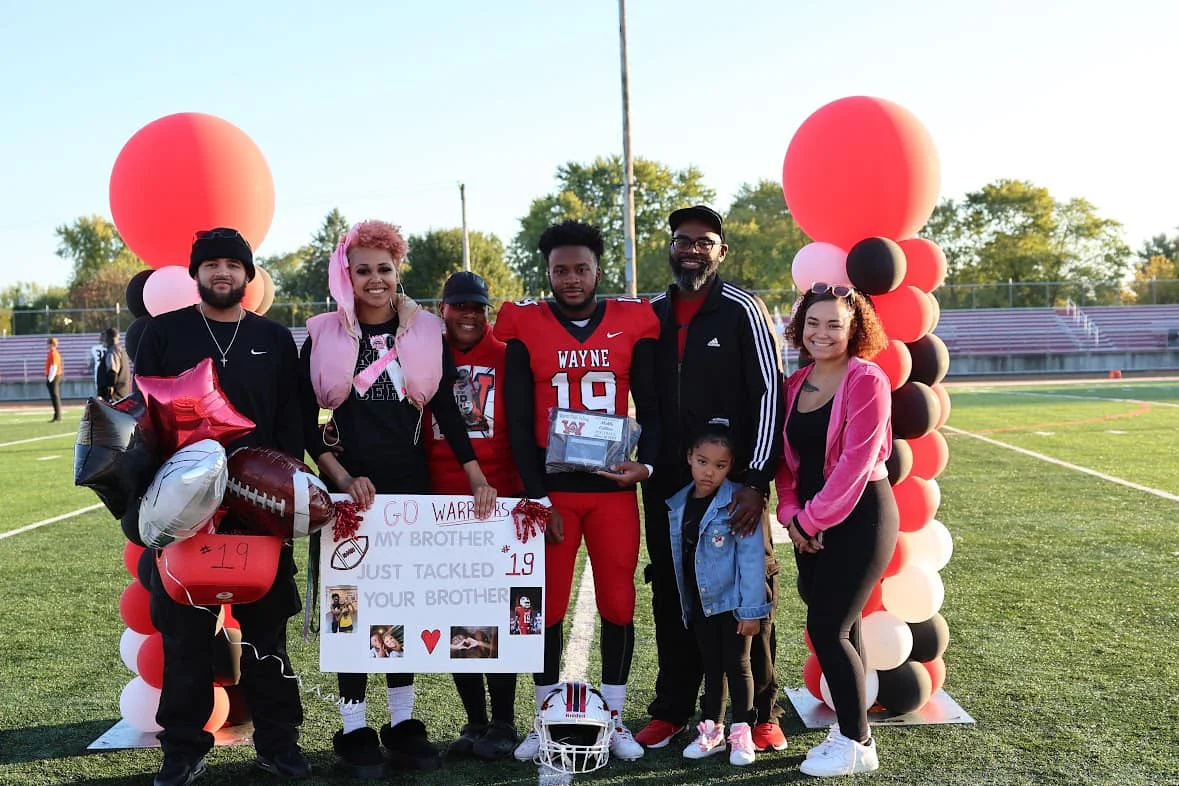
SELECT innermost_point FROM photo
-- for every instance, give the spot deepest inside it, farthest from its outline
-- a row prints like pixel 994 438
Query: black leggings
pixel 724 655
pixel 616 648
pixel 502 689
pixel 835 584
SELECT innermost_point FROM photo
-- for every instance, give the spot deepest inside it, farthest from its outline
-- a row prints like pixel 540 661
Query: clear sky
pixel 383 111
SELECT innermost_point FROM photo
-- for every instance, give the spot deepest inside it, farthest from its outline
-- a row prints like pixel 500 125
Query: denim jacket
pixel 730 570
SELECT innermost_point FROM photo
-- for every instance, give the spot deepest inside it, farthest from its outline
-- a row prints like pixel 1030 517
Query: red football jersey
pixel 591 375
pixel 480 372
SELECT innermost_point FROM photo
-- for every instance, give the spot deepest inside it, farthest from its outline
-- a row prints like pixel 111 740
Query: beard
pixel 214 300
pixel 692 280
pixel 569 305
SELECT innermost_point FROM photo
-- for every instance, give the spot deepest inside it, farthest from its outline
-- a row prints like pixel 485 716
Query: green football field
pixel 1062 598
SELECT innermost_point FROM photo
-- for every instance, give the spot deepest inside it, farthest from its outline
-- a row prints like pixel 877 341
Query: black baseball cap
pixel 465 287
pixel 702 213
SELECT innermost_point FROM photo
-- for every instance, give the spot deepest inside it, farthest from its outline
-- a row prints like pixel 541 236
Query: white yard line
pixel 62 517
pixel 37 439
pixel 1088 398
pixel 1085 470
pixel 581 636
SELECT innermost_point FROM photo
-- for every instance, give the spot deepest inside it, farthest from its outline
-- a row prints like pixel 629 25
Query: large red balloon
pixel 150 660
pixel 930 455
pixel 896 362
pixel 858 167
pixel 916 502
pixel 135 609
pixel 905 313
pixel 183 173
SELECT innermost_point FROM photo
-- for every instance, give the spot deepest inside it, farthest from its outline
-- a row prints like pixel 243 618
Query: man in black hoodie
pixel 718 361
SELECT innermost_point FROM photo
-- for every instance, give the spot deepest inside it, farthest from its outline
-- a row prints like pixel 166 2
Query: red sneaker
pixel 769 736
pixel 657 733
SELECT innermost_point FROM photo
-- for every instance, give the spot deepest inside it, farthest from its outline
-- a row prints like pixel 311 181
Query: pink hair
pixel 379 234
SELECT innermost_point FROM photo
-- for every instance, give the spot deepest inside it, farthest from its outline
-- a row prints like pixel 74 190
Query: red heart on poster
pixel 430 639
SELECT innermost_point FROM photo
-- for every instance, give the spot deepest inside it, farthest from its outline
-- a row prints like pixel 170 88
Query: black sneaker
pixel 408 746
pixel 179 770
pixel 498 743
pixel 469 736
pixel 361 751
pixel 290 764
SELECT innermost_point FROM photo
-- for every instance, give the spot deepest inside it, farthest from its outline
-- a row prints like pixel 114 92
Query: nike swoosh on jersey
pixel 256 352
pixel 615 335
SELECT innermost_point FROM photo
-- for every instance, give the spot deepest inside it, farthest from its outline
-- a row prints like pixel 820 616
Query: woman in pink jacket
pixel 835 500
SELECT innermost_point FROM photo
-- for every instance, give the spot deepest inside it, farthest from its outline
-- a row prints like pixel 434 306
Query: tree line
pixel 1008 232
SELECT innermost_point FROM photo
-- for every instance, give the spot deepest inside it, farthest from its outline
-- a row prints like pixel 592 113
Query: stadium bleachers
pixel 982 331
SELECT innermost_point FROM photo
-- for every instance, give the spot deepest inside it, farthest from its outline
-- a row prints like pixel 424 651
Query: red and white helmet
pixel 575 728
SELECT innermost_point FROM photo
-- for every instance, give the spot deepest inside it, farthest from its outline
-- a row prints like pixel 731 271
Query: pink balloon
pixel 168 289
pixel 819 262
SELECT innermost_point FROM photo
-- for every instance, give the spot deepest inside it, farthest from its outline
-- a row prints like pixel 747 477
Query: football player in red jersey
pixel 581 353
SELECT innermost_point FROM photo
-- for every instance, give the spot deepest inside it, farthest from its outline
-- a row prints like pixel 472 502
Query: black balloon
pixel 905 688
pixel 900 463
pixel 143 570
pixel 930 638
pixel 931 359
pixel 915 410
pixel 135 294
pixel 133 335
pixel 876 265
pixel 112 453
pixel 130 523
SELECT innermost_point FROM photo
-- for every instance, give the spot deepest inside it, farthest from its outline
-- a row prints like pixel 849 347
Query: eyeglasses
pixel 839 290
pixel 218 233
pixel 703 244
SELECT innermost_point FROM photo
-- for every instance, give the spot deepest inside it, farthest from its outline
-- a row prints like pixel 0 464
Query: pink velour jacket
pixel 859 440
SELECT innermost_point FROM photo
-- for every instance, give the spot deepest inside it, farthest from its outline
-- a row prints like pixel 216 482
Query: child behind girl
pixel 722 585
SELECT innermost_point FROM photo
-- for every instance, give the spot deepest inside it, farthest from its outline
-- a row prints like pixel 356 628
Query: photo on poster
pixel 474 642
pixel 525 618
pixel 340 609
pixel 386 641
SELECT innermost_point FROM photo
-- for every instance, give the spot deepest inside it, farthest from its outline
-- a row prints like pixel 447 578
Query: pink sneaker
pixel 741 750
pixel 710 741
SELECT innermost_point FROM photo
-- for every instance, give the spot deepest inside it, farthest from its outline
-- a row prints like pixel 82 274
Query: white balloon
pixel 888 641
pixel 915 594
pixel 138 704
pixel 936 492
pixel 871 688
pixel 931 546
pixel 129 646
pixel 817 262
pixel 185 493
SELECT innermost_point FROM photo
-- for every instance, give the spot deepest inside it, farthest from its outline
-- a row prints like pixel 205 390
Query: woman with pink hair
pixel 376 363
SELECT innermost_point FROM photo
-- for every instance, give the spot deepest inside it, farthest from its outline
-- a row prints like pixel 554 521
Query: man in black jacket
pixel 718 361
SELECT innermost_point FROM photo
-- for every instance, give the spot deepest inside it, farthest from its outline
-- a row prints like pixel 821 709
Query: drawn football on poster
pixel 350 553
pixel 275 494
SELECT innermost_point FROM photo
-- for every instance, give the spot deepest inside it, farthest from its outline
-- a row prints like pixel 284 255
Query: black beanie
pixel 221 243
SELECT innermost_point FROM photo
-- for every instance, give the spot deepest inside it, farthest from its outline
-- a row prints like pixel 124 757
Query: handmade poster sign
pixel 423 586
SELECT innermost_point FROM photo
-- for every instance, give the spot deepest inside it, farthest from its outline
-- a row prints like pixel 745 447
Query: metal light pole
pixel 628 184
pixel 466 238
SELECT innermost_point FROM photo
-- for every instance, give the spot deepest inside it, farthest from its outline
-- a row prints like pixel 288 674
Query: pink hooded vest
pixel 335 341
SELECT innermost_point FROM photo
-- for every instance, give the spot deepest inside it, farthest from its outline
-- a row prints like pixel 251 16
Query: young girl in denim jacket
pixel 721 579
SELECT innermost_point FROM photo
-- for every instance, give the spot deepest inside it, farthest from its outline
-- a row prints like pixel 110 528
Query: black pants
pixel 267 680
pixel 835 584
pixel 55 395
pixel 725 656
pixel 501 688
pixel 680 668
pixel 354 686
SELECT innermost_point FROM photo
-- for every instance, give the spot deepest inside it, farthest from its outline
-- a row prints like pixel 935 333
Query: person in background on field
pixel 53 378
pixel 836 503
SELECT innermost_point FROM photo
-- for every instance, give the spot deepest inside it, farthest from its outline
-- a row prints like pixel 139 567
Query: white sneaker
pixel 741 748
pixel 528 747
pixel 622 742
pixel 842 756
pixel 710 741
pixel 826 741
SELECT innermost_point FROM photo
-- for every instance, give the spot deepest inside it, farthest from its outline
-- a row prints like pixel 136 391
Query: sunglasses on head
pixel 217 233
pixel 838 290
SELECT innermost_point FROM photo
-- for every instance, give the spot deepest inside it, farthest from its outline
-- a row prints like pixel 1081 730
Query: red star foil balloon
pixel 190 407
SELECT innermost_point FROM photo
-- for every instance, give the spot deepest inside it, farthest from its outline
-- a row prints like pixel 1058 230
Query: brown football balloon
pixel 271 493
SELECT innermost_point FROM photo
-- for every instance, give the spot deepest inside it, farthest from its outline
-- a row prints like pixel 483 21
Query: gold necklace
pixel 224 352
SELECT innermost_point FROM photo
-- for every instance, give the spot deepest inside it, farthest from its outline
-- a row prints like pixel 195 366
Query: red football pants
pixel 609 522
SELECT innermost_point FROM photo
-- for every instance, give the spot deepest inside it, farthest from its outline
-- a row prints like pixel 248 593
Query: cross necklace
pixel 224 352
